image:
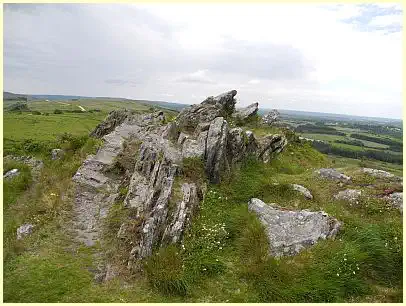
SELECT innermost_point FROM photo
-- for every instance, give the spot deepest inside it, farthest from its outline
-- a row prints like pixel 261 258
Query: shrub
pixel 58 111
pixel 36 113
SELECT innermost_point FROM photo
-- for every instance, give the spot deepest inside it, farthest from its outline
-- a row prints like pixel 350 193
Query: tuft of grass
pixel 14 187
pixel 164 271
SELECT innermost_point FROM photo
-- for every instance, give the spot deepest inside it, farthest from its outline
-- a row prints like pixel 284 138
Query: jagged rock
pixel 216 142
pixel 303 190
pixel 56 154
pixel 24 230
pixel 207 111
pixel 396 200
pixel 247 112
pixel 291 231
pixel 11 173
pixel 333 174
pixel 350 195
pixel 270 145
pixel 182 214
pixel 114 119
pixel 195 148
pixel 271 117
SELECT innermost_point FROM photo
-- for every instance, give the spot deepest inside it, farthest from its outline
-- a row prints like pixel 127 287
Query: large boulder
pixel 289 232
pixel 333 174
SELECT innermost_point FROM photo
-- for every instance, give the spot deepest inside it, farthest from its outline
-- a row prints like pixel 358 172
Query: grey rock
pixel 216 160
pixel 303 190
pixel 270 145
pixel 289 232
pixel 114 119
pixel 185 209
pixel 24 230
pixel 208 110
pixel 247 112
pixel 11 173
pixel 381 174
pixel 333 174
pixel 182 138
pixel 195 148
pixel 271 117
pixel 396 200
pixel 350 195
pixel 56 154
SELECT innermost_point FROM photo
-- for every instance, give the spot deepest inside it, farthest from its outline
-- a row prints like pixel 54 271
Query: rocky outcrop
pixel 303 190
pixel 161 200
pixel 289 232
pixel 271 117
pixel 246 113
pixel 333 174
pixel 350 195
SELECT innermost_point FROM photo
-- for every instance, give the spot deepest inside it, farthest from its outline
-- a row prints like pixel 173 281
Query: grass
pixel 223 257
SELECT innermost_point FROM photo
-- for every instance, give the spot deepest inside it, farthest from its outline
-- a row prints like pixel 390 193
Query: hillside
pixel 133 203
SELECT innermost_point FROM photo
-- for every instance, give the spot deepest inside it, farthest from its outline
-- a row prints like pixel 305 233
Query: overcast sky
pixel 327 58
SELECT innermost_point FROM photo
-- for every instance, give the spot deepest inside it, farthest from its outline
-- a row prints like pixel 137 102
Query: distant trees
pixel 374 154
pixel 18 107
pixel 318 129
pixel 394 145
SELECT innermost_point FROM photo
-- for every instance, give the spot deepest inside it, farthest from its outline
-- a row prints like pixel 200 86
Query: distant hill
pixel 12 96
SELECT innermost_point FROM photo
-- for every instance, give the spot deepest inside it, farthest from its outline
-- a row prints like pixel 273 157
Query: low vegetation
pixel 224 254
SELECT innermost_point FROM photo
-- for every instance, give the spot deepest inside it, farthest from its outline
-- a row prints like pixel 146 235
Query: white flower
pixel 338 274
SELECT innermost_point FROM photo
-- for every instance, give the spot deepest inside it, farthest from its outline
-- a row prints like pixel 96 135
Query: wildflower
pixel 220 248
pixel 353 272
pixel 345 259
pixel 338 274
pixel 53 194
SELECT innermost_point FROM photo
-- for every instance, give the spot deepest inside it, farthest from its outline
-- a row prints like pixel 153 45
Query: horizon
pixel 187 104
pixel 340 59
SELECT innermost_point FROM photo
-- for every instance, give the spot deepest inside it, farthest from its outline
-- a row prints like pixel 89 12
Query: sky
pixel 341 58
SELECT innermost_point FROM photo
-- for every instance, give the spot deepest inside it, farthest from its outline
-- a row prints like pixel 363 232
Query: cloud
pixel 199 76
pixel 254 81
pixel 337 58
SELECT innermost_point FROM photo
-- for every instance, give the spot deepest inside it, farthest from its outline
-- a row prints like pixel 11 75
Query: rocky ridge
pixel 199 132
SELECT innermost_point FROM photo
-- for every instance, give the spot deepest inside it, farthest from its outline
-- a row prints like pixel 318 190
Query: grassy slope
pixel 223 258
